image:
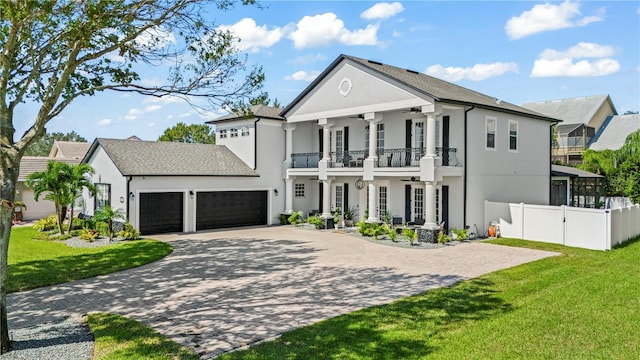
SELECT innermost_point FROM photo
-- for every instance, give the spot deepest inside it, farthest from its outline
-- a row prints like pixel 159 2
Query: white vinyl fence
pixel 579 227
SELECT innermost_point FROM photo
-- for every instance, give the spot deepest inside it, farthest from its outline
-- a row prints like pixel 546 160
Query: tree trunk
pixel 9 167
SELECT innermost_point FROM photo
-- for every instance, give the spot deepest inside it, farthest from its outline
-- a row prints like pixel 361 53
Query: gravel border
pixel 77 242
pixel 69 339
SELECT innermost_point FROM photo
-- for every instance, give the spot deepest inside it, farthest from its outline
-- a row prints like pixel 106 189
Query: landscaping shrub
pixel 443 238
pixel 103 228
pixel 316 221
pixel 129 232
pixel 410 234
pixel 460 234
pixel 283 219
pixel 46 224
pixel 295 218
pixel 88 234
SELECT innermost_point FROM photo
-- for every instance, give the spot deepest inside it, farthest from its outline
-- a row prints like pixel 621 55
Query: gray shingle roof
pixel 559 170
pixel 258 111
pixel 578 110
pixel 31 164
pixel 438 89
pixel 615 133
pixel 69 149
pixel 152 158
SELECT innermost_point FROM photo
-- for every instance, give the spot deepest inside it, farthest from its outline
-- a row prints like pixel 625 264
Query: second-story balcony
pixel 387 158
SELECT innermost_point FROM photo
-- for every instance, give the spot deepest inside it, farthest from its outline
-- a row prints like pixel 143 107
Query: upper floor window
pixel 490 133
pixel 380 134
pixel 234 133
pixel 103 196
pixel 223 134
pixel 513 135
pixel 245 131
pixel 299 190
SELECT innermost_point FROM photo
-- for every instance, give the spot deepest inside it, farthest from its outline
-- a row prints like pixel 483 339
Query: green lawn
pixel 37 263
pixel 118 337
pixel 583 304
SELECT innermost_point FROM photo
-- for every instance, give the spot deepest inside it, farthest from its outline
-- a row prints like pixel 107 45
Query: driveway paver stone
pixel 222 290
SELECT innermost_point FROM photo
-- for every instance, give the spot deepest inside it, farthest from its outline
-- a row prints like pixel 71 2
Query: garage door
pixel 221 209
pixel 161 212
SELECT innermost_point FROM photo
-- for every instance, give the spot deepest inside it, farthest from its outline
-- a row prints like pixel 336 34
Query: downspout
pixel 466 163
pixel 255 144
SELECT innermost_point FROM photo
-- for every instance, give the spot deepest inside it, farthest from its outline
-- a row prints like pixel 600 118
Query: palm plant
pixel 77 179
pixel 109 215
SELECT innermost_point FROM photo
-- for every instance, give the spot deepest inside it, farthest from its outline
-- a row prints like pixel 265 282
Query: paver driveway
pixel 220 290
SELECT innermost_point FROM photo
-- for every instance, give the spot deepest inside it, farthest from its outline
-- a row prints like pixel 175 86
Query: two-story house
pixel 384 139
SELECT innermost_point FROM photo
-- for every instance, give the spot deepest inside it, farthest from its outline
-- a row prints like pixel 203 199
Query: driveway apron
pixel 222 290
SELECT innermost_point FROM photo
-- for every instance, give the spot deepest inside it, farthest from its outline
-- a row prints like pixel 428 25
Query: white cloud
pixel 104 122
pixel 167 99
pixel 382 11
pixel 303 76
pixel 155 38
pixel 325 29
pixel 547 16
pixel 253 37
pixel 134 113
pixel 185 115
pixel 574 62
pixel 477 72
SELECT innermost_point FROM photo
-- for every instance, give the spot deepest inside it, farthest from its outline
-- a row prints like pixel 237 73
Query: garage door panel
pixel 220 209
pixel 161 212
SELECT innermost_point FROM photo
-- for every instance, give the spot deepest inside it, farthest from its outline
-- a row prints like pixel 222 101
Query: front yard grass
pixel 37 263
pixel 118 337
pixel 582 304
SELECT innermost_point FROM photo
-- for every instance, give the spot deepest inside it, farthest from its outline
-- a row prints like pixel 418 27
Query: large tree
pixel 42 146
pixel 194 133
pixel 55 52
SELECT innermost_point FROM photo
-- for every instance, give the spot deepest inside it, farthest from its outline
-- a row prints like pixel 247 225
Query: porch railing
pixel 406 157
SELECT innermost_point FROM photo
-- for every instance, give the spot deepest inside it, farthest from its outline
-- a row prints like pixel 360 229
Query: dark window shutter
pixel 407 203
pixel 321 195
pixel 321 140
pixel 345 197
pixel 346 139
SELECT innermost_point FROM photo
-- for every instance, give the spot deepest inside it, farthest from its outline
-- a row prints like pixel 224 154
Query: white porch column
pixel 326 144
pixel 288 128
pixel 373 134
pixel 288 196
pixel 430 136
pixel 373 203
pixel 326 199
pixel 430 205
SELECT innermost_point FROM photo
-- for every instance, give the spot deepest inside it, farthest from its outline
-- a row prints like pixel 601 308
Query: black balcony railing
pixel 408 157
pixel 351 159
pixel 305 160
pixel 448 155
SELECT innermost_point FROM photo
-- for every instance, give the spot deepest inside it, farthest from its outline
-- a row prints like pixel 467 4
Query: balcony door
pixel 340 145
pixel 417 137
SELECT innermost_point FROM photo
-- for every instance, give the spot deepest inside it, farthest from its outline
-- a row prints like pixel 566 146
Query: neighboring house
pixel 385 139
pixel 69 150
pixel 575 187
pixel 613 134
pixel 178 187
pixel 582 117
pixel 41 208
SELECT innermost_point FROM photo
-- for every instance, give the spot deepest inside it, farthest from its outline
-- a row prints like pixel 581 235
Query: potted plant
pixel 336 218
pixel 349 214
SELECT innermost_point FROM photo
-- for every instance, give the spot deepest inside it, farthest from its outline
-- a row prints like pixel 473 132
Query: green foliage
pixel 371 229
pixel 461 234
pixel 443 238
pixel 390 231
pixel 118 337
pixel 336 216
pixel 34 264
pixel 283 219
pixel 129 232
pixel 316 220
pixel 349 213
pixel 295 218
pixel 89 235
pixel 45 224
pixel 42 146
pixel 386 217
pixel 108 215
pixel 194 133
pixel 410 234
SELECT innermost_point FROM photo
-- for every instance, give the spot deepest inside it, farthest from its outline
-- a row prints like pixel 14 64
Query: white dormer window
pixel 223 134
pixel 245 131
pixel 234 133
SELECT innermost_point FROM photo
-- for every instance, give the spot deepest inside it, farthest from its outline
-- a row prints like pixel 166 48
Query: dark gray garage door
pixel 161 212
pixel 221 209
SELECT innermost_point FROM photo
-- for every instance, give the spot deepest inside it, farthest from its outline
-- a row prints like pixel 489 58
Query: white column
pixel 430 205
pixel 326 199
pixel 288 128
pixel 326 144
pixel 373 134
pixel 289 196
pixel 430 136
pixel 373 203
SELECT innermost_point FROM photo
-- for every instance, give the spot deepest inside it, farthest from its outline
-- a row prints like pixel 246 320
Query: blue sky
pixel 518 51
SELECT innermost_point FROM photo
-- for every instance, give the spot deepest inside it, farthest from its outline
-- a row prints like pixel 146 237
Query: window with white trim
pixel 102 196
pixel 234 133
pixel 366 141
pixel 339 198
pixel 490 133
pixel 380 133
pixel 245 131
pixel 298 190
pixel 513 136
pixel 382 200
pixel 418 203
pixel 223 134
